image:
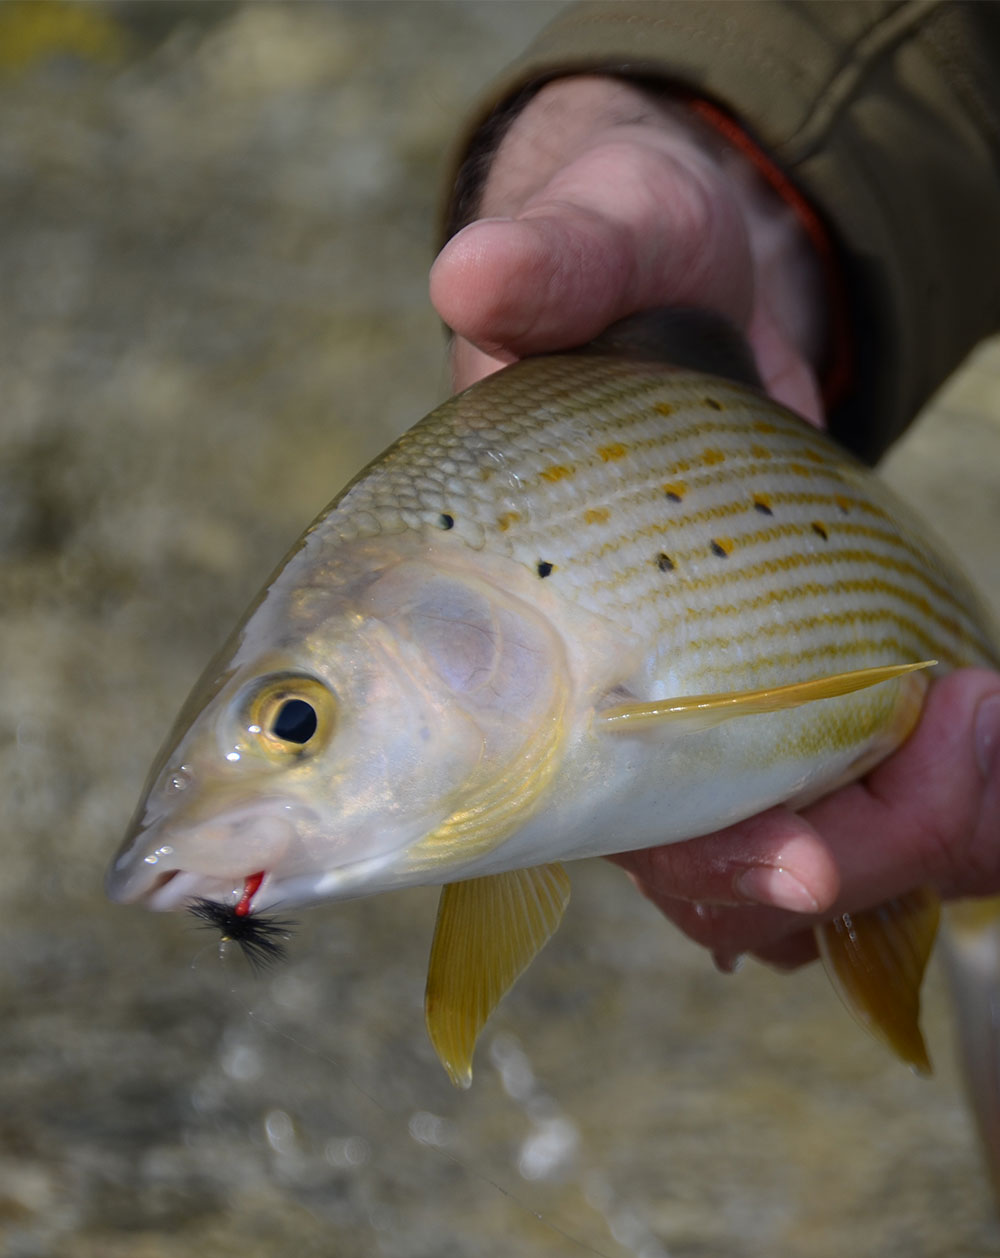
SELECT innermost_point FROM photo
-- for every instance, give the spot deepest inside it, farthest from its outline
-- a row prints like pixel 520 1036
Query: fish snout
pixel 142 866
pixel 164 865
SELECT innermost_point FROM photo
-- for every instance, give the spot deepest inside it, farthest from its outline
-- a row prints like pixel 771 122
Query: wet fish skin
pixel 576 534
pixel 651 530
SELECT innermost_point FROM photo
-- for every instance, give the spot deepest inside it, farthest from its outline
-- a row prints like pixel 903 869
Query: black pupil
pixel 295 722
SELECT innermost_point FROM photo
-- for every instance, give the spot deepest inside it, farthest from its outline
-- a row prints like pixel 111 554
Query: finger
pixel 791 953
pixel 626 226
pixel 469 363
pixel 931 813
pixel 745 889
pixel 787 375
pixel 732 933
pixel 775 859
pixel 535 284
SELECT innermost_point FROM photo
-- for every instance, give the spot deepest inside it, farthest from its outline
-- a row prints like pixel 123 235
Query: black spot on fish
pixel 446 521
pixel 760 505
pixel 713 404
pixel 820 530
pixel 544 567
pixel 664 562
pixel 259 937
pixel 722 548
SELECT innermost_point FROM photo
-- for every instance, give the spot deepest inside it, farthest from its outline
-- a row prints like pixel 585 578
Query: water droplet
pixel 280 1131
pixel 515 1069
pixel 347 1151
pixel 549 1149
pixel 428 1128
pixel 242 1062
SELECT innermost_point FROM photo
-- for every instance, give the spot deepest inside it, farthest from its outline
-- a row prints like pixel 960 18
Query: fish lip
pixel 155 855
pixel 176 889
pixel 129 879
pixel 170 890
pixel 181 887
pixel 127 883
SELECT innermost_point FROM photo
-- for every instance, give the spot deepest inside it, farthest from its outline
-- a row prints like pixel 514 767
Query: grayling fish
pixel 599 601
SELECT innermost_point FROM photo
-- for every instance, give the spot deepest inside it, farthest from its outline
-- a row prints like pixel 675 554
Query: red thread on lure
pixel 250 889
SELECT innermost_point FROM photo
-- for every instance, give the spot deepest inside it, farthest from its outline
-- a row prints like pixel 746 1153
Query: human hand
pixel 600 202
pixel 927 816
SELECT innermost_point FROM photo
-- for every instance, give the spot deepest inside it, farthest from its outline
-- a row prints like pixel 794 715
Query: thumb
pixel 627 225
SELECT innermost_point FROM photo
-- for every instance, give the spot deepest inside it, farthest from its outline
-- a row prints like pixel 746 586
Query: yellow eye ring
pixel 291 715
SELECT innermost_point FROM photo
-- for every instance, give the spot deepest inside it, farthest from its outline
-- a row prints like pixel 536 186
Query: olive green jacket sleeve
pixel 885 115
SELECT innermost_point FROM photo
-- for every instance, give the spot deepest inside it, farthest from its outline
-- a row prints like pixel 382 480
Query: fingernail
pixel 776 887
pixel 987 731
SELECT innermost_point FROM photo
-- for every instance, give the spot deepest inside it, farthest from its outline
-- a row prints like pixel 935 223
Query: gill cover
pixel 503 665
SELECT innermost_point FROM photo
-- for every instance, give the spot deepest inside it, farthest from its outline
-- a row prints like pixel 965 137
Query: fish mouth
pixel 177 889
pixel 131 878
pixel 162 865
pixel 174 889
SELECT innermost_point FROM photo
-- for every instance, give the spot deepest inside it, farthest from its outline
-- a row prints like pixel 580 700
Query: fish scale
pixel 639 487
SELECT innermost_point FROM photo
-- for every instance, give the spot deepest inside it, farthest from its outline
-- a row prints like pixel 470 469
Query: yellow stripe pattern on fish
pixel 667 501
pixel 594 603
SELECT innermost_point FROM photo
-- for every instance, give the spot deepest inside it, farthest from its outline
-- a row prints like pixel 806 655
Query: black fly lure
pixel 259 937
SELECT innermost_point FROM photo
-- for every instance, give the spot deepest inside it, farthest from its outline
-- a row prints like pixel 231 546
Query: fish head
pixel 332 739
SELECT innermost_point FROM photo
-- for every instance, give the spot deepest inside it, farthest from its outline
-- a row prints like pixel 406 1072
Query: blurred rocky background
pixel 215 227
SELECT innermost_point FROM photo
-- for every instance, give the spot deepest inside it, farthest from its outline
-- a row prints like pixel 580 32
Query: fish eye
pixel 288 714
pixel 295 721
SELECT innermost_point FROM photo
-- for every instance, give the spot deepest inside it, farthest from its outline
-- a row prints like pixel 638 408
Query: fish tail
pixel 971 948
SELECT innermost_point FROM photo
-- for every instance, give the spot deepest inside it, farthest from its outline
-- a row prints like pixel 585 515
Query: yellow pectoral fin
pixel 876 961
pixel 696 712
pixel 488 931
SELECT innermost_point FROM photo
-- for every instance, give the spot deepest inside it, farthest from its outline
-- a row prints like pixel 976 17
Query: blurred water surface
pixel 216 226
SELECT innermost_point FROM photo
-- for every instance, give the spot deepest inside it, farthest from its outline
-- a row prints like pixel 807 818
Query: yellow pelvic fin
pixel 876 961
pixel 488 931
pixel 688 713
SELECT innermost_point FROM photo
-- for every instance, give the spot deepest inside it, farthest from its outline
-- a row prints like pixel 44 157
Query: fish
pixel 604 599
